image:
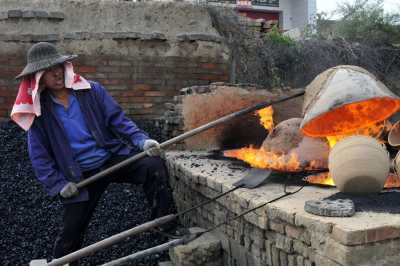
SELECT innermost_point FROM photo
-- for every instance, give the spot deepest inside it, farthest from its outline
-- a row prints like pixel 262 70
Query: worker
pixel 75 130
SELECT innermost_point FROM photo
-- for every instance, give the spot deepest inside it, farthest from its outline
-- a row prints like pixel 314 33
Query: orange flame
pixel 374 130
pixel 266 117
pixel 393 181
pixel 349 118
pixel 260 158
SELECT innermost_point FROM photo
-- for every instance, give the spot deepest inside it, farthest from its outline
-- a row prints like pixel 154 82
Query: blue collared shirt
pixel 85 150
pixel 50 150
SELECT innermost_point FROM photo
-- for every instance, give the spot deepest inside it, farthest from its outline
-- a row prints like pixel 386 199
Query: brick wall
pixel 281 233
pixel 142 85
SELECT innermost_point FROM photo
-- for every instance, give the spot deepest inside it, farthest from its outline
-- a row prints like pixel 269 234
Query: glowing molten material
pixel 346 120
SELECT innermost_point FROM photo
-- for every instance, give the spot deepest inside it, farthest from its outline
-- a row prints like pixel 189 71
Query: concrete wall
pixel 143 53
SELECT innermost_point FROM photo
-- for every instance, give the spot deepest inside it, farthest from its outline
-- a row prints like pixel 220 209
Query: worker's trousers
pixel 148 171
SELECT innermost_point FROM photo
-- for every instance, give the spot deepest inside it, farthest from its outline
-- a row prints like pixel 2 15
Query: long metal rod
pixel 186 135
pixel 173 243
pixel 146 252
pixel 133 231
pixel 162 220
pixel 110 241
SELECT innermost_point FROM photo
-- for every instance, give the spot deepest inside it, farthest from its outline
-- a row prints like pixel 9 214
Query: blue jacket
pixel 49 150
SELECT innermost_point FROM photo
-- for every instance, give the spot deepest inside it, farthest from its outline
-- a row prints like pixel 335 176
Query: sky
pixel 330 5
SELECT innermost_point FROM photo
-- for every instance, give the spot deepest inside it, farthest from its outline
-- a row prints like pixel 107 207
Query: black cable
pixel 253 209
pixel 286 194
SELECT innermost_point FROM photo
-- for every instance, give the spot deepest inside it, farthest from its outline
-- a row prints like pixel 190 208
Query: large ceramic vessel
pixel 343 99
pixel 359 165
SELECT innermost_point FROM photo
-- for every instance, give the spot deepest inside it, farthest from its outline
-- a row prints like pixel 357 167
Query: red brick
pixel 139 99
pixel 154 93
pixel 132 93
pixel 86 69
pixel 383 233
pixel 148 105
pixel 133 99
pixel 277 227
pixel 110 81
pixel 9 101
pixel 213 77
pixel 8 74
pixel 4 113
pixel 293 231
pixel 142 87
pixel 208 66
pixel 4 92
pixel 13 61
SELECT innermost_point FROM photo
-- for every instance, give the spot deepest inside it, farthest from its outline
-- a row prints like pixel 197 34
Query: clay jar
pixel 359 165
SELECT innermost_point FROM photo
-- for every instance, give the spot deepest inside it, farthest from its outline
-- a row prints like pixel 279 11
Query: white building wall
pixel 312 11
pixel 299 13
pixel 285 7
pixel 294 13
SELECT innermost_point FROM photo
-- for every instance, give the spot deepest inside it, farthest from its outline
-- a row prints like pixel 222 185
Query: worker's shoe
pixel 172 229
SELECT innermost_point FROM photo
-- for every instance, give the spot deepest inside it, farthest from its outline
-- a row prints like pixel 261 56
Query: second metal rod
pixel 186 135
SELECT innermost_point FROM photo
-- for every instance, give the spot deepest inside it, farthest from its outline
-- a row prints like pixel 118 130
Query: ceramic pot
pixel 359 165
pixel 287 138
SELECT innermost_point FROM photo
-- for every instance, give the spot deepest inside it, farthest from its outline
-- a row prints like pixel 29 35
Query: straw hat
pixel 43 55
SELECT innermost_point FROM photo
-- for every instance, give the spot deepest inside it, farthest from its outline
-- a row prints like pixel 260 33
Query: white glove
pixel 69 190
pixel 152 147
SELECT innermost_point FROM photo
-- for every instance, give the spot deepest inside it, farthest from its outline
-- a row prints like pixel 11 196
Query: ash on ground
pixel 388 201
pixel 30 220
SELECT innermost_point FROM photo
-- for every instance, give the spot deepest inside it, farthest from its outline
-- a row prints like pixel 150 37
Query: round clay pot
pixel 359 165
pixel 286 138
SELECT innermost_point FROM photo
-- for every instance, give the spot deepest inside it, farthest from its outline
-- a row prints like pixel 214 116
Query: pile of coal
pixel 30 220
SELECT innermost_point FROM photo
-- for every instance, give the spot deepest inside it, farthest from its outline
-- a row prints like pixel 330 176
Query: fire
pixel 393 181
pixel 321 179
pixel 374 130
pixel 266 117
pixel 260 158
pixel 349 118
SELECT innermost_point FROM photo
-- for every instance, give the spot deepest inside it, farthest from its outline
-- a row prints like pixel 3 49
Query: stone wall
pixel 280 233
pixel 143 53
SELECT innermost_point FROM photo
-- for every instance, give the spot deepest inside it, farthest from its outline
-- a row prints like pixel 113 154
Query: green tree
pixel 365 21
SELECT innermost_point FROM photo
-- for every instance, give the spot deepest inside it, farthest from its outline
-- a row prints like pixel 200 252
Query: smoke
pixel 312 150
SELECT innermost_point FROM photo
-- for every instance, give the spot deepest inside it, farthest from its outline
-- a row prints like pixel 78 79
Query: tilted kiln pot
pixel 343 99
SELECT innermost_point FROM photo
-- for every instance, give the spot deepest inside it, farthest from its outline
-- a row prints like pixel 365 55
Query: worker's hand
pixel 152 147
pixel 69 190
